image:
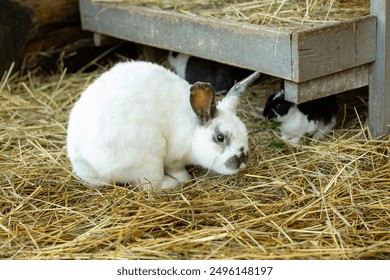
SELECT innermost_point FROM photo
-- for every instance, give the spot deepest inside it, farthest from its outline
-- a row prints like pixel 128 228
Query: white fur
pixel 179 63
pixel 295 125
pixel 135 124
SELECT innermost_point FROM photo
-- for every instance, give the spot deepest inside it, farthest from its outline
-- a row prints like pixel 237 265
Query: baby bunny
pixel 221 76
pixel 139 122
pixel 314 118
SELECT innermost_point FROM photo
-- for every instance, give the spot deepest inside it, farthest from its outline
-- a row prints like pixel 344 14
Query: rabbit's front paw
pixel 169 183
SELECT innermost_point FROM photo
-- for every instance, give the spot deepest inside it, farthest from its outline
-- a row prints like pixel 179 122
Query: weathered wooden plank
pixel 245 45
pixel 379 88
pixel 325 50
pixel 327 85
pixel 289 54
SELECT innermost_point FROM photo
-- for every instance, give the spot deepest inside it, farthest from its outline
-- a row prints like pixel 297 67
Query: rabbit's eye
pixel 220 137
pixel 279 106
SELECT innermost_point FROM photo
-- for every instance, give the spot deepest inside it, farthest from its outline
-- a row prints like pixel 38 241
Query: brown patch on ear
pixel 202 99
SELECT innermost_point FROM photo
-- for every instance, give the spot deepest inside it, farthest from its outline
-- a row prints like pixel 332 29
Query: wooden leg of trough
pixel 379 85
pixel 101 40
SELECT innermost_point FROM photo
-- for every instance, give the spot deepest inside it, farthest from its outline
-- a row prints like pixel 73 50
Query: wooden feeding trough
pixel 314 62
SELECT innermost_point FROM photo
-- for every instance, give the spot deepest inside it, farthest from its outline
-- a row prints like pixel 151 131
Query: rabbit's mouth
pixel 270 114
pixel 237 162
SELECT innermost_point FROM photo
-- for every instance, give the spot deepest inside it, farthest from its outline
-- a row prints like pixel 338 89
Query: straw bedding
pixel 317 200
pixel 276 13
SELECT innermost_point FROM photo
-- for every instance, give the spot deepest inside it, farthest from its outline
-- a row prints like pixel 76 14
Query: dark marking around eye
pixel 221 138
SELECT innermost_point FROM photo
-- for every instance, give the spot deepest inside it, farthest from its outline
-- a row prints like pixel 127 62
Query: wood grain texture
pixel 243 45
pixel 379 88
pixel 326 50
pixel 286 53
pixel 327 85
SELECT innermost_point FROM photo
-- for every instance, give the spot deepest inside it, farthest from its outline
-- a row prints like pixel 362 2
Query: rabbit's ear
pixel 202 99
pixel 232 97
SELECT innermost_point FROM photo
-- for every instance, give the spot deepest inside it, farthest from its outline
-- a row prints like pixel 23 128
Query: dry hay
pixel 319 200
pixel 276 13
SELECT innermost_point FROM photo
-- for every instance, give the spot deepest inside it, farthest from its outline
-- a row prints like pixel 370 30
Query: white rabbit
pixel 313 118
pixel 139 122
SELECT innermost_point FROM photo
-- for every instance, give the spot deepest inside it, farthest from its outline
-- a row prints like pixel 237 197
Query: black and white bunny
pixel 221 76
pixel 314 118
pixel 139 122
